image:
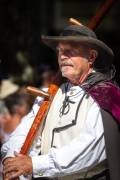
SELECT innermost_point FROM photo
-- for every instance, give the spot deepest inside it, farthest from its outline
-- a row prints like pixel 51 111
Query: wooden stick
pixel 37 92
pixel 74 22
pixel 38 119
pixel 95 21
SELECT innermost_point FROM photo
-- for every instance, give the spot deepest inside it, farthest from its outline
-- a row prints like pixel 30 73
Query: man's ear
pixel 92 56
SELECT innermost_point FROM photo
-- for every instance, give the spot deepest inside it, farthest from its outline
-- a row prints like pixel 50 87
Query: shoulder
pixel 107 95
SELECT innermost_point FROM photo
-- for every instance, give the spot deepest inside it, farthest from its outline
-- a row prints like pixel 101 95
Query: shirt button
pixel 72 92
pixel 40 174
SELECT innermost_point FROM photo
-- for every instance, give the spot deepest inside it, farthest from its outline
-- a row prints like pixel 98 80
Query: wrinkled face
pixel 73 61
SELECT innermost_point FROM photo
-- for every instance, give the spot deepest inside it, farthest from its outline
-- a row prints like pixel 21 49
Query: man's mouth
pixel 65 64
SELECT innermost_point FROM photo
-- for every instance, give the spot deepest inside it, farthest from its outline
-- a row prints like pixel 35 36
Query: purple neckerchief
pixel 107 95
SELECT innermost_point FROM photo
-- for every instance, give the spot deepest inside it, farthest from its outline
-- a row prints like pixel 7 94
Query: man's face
pixel 73 61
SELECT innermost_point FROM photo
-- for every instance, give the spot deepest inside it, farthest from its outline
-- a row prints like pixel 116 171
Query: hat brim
pixel 103 50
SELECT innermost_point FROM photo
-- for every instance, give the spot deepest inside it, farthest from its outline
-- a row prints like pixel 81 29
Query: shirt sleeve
pixel 82 152
pixel 17 138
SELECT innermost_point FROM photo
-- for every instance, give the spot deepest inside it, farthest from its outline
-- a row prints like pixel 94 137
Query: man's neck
pixel 82 78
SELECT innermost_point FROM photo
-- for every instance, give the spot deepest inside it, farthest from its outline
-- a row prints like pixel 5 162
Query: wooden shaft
pixel 37 92
pixel 95 21
pixel 74 21
pixel 39 117
pixel 34 128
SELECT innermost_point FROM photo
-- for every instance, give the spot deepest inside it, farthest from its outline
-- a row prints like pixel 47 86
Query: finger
pixel 10 169
pixel 7 165
pixel 8 175
pixel 13 160
pixel 6 161
pixel 5 178
pixel 15 175
pixel 10 165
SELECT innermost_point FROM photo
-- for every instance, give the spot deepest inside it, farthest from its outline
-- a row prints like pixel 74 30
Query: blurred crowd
pixel 15 103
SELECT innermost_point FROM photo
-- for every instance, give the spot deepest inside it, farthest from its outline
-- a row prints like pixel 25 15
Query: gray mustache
pixel 65 63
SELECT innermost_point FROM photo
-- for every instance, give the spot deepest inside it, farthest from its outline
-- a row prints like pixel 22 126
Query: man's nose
pixel 63 56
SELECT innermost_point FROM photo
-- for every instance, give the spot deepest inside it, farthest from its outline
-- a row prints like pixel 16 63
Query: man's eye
pixel 67 52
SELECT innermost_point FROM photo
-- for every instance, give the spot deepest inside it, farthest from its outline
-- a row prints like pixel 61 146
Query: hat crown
pixel 84 36
pixel 78 30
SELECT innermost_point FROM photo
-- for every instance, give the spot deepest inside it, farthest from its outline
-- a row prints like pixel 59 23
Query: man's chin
pixel 68 76
pixel 72 79
pixel 64 74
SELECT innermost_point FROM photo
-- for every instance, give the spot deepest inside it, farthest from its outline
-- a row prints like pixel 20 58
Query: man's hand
pixel 17 166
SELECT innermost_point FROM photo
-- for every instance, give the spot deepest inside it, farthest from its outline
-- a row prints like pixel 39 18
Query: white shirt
pixel 84 151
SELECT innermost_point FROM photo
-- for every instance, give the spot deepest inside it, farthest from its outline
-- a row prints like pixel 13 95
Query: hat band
pixel 76 33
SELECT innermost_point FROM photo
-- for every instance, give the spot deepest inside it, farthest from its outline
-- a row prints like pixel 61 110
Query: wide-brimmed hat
pixel 7 88
pixel 84 36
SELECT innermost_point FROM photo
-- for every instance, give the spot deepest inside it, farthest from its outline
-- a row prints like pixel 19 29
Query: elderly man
pixel 79 137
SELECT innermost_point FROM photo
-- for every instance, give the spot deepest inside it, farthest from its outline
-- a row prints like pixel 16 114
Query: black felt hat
pixel 83 35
